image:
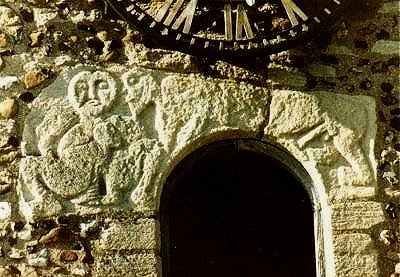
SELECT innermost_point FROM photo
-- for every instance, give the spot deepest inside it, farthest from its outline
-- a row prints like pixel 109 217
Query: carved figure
pixel 73 152
pixel 148 149
pixel 308 118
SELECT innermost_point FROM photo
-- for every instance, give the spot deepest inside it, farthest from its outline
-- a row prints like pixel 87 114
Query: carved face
pixel 139 88
pixel 92 93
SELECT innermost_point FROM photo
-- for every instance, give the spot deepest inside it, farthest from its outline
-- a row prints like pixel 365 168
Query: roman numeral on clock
pixel 243 28
pixel 292 10
pixel 186 16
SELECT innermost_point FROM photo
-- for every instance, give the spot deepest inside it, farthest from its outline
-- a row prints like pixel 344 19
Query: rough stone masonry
pixel 92 122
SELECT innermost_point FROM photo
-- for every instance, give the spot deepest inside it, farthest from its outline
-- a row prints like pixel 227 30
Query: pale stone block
pixel 356 265
pixel 7 82
pixel 357 215
pixel 130 265
pixel 390 8
pixel 131 236
pixel 352 244
pixel 386 47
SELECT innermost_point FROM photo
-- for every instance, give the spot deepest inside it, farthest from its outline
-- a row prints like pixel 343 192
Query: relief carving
pixel 95 142
pixel 88 157
pixel 336 132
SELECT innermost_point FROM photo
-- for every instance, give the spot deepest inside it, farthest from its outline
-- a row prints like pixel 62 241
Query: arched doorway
pixel 238 208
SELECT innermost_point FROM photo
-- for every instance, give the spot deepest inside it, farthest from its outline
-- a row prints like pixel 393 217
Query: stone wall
pixel 79 92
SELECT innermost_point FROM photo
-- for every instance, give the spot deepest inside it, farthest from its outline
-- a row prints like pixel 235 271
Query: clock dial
pixel 227 26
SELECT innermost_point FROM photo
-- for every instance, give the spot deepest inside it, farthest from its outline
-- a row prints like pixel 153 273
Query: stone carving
pixel 98 142
pixel 334 131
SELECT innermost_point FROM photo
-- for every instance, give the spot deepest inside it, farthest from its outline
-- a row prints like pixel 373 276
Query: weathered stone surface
pixel 34 78
pixel 282 77
pixel 334 49
pixel 43 16
pixel 160 59
pixel 125 136
pixel 353 244
pixel 5 210
pixel 322 71
pixel 332 135
pixel 8 108
pixel 390 8
pixel 7 82
pixel 8 129
pixel 142 235
pixel 68 256
pixel 5 43
pixel 9 21
pixel 136 265
pixel 6 272
pixel 357 215
pixel 386 47
pixel 7 181
pixel 40 259
pixel 357 265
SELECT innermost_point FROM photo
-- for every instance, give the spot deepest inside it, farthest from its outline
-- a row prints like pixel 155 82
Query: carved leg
pixel 348 144
pixel 34 192
pixel 143 195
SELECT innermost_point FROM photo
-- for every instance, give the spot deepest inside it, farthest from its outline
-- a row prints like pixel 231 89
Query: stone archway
pixel 238 208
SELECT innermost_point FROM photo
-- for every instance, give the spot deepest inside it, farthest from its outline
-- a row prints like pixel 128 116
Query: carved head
pixel 92 93
pixel 139 87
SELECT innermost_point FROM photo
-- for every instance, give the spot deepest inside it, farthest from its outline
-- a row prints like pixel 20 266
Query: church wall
pixel 80 180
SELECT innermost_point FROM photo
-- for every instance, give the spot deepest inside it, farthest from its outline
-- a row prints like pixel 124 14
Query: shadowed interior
pixel 227 211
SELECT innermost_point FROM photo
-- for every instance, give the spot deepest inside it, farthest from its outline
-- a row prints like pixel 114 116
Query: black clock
pixel 228 27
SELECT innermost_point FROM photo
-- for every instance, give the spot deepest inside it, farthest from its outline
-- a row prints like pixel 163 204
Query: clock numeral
pixel 292 10
pixel 228 22
pixel 185 17
pixel 242 22
pixel 243 28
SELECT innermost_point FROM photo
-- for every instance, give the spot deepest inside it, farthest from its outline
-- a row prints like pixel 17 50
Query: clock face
pixel 226 27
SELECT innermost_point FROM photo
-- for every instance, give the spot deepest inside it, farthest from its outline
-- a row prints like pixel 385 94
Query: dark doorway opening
pixel 233 209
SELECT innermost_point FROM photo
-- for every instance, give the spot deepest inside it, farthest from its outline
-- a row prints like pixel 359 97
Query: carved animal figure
pixel 306 117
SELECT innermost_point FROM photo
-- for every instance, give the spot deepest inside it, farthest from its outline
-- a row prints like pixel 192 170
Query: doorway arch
pixel 239 207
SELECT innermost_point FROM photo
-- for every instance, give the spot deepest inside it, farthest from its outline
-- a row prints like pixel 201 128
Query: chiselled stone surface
pixel 142 235
pixel 332 135
pixel 353 244
pixel 357 265
pixel 136 265
pixel 357 215
pixel 93 131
